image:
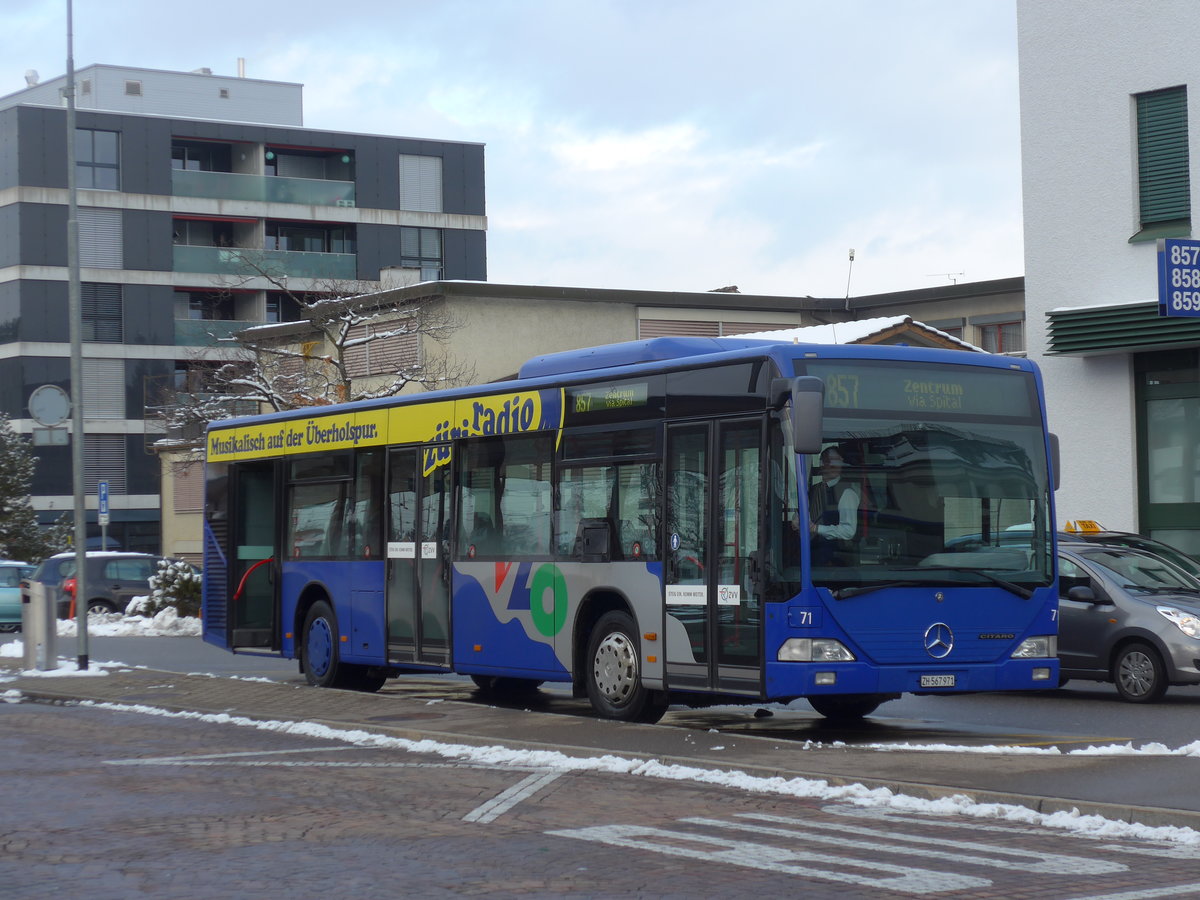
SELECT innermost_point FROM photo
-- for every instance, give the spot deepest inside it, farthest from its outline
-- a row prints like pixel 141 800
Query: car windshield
pixel 1139 571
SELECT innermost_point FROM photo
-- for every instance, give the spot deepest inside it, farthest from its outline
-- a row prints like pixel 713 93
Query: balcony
pixel 246 262
pixel 261 188
pixel 208 332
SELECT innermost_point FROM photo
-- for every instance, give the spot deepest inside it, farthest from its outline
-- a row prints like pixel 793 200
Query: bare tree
pixel 348 343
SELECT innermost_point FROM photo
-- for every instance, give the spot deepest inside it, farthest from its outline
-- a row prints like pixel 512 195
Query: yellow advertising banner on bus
pixel 441 421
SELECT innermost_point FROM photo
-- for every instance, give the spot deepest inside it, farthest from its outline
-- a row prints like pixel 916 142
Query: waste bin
pixel 39 626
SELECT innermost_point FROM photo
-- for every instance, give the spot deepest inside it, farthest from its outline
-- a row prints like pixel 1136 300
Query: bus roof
pixel 637 356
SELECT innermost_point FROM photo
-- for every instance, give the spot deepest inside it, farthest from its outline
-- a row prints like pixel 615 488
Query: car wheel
pixel 100 607
pixel 1139 674
pixel 843 708
pixel 614 679
pixel 10 629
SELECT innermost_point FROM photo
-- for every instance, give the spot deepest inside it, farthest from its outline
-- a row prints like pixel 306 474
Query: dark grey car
pixel 113 578
pixel 1128 617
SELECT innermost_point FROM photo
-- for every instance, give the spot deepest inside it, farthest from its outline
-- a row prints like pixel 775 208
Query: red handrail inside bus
pixel 249 572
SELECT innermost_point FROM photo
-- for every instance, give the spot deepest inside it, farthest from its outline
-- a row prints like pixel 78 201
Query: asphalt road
pixel 1082 713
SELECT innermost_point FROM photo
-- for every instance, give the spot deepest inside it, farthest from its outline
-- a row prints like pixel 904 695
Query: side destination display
pixel 414 423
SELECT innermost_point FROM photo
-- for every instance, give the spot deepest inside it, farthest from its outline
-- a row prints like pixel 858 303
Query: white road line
pixel 1022 860
pixel 787 860
pixel 503 802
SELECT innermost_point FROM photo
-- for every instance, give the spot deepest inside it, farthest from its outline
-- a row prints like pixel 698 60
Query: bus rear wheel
pixel 845 707
pixel 613 676
pixel 320 658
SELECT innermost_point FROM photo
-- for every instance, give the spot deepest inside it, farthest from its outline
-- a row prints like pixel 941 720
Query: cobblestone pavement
pixel 106 802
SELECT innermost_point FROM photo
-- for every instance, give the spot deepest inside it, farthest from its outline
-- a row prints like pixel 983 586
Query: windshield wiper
pixel 858 590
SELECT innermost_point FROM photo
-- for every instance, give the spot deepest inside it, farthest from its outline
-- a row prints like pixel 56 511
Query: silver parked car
pixel 1128 617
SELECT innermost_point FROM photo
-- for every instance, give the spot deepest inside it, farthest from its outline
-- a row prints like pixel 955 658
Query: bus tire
pixel 613 674
pixel 844 707
pixel 320 658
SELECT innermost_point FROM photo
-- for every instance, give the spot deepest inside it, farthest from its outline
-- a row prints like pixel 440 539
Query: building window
pixel 202 156
pixel 1002 337
pixel 133 89
pixel 202 233
pixel 282 308
pixel 1164 189
pixel 421 248
pixel 104 460
pixel 310 238
pixel 204 306
pixel 421 183
pixel 97 160
pixel 100 238
pixel 104 388
pixel 102 309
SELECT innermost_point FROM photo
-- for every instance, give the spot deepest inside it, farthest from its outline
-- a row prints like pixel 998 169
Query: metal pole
pixel 75 321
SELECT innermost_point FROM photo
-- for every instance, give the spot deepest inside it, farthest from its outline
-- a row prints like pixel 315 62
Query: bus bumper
pixel 803 679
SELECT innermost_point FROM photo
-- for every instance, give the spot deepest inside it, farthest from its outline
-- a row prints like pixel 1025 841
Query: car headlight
pixel 1039 647
pixel 814 650
pixel 1188 623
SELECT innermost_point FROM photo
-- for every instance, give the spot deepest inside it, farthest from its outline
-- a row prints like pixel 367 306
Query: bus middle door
pixel 713 625
pixel 418 586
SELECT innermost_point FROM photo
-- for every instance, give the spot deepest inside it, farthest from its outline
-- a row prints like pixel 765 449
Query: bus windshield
pixel 929 476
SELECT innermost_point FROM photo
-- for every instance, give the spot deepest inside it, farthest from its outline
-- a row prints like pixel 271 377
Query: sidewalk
pixel 1110 786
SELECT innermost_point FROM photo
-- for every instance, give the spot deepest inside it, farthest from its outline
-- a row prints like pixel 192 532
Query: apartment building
pixel 1110 133
pixel 204 204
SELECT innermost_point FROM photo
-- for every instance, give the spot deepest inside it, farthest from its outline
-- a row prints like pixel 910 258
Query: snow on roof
pixel 852 332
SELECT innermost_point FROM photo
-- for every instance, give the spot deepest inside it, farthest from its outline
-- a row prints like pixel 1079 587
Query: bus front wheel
pixel 846 706
pixel 614 682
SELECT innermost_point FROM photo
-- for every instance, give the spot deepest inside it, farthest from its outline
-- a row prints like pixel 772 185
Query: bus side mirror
pixel 1055 478
pixel 807 394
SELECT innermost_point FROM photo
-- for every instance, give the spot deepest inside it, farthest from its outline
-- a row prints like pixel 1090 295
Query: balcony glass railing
pixel 263 188
pixel 246 263
pixel 208 332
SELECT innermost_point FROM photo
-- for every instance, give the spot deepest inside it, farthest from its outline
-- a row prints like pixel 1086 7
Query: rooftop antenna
pixel 849 271
pixel 953 276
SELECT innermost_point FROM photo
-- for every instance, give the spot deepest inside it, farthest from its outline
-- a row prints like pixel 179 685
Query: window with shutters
pixel 100 241
pixel 189 488
pixel 1164 185
pixel 104 388
pixel 97 160
pixel 104 460
pixel 421 183
pixel 421 248
pixel 653 328
pixel 103 315
pixel 381 349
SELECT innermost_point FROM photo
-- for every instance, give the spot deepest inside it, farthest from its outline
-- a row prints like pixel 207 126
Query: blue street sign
pixel 1178 277
pixel 102 493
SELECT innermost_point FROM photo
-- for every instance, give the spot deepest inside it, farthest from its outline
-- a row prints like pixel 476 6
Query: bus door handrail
pixel 242 584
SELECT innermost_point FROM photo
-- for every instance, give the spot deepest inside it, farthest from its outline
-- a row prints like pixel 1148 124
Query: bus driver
pixel 833 509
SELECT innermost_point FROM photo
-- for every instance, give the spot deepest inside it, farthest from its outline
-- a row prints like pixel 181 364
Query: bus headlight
pixel 1186 622
pixel 1040 647
pixel 814 650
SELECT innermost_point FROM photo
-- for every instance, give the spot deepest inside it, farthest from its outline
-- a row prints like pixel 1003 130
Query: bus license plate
pixel 937 681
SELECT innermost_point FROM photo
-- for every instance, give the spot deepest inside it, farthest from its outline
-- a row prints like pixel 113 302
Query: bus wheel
pixel 614 683
pixel 504 688
pixel 320 660
pixel 846 706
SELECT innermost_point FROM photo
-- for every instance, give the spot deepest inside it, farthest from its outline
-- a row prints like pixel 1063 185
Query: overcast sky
pixel 658 144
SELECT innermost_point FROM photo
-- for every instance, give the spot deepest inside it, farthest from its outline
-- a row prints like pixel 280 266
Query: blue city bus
pixel 635 520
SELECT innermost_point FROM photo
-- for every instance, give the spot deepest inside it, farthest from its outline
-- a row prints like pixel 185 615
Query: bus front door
pixel 713 627
pixel 254 568
pixel 418 575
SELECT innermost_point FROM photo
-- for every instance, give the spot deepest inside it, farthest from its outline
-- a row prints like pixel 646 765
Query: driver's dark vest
pixel 825 499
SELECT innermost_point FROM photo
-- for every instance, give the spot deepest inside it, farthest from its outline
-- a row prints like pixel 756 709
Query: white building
pixel 1110 131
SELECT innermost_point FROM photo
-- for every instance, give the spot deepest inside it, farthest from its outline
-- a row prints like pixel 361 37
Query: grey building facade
pixel 193 215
